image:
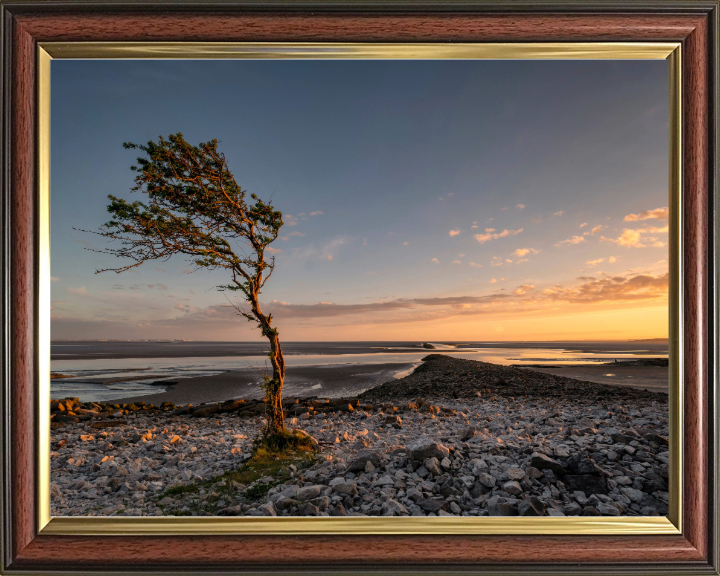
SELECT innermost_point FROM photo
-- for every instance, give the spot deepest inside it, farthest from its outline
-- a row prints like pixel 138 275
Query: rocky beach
pixel 455 437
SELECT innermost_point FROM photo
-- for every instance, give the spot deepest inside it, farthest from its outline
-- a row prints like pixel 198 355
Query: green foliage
pixel 195 208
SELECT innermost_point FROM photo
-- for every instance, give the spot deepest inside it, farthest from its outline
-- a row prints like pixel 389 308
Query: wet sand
pixel 653 378
pixel 300 381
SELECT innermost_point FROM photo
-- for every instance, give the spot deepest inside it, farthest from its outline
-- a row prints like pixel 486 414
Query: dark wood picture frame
pixel 692 23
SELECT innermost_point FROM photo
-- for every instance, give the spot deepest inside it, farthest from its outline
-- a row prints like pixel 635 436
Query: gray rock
pixel 394 508
pixel 533 506
pixel 543 462
pixel 349 488
pixel 634 495
pixel 607 509
pixel 512 487
pixel 309 492
pixel 581 463
pixel 265 510
pixel 432 465
pixel 338 510
pixel 308 509
pixel 572 509
pixel 361 460
pixel 431 505
pixel 486 480
pixel 423 449
pixel 502 509
pixel 515 473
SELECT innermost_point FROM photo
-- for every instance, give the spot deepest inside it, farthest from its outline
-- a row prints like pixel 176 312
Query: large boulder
pixel 421 450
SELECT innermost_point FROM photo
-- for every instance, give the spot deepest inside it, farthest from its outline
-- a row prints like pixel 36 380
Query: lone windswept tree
pixel 197 209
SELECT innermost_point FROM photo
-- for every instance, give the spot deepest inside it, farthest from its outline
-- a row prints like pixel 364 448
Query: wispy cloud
pixel 454 232
pixel 523 289
pixel 491 234
pixel 317 213
pixel 520 252
pixel 656 214
pixel 569 241
pixel 560 213
pixel 519 206
pixel 435 260
pixel 615 289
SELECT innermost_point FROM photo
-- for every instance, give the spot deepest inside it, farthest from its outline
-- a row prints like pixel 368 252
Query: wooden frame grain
pixel 24 24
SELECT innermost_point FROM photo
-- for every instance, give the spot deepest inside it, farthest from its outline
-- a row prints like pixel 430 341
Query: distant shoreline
pixel 117 350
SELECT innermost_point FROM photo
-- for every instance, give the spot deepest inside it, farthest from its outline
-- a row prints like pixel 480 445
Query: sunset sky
pixel 430 201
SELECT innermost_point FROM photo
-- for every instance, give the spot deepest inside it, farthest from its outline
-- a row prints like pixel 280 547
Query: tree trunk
pixel 273 386
pixel 275 416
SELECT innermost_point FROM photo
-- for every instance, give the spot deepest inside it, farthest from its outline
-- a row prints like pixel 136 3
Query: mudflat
pixel 301 381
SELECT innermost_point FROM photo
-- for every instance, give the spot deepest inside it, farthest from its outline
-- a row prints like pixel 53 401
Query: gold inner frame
pixel 581 525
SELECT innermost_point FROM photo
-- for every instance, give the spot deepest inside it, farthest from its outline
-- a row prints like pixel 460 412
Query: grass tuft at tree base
pixel 284 441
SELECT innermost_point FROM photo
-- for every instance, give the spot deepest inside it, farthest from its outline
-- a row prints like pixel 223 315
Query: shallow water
pixel 91 378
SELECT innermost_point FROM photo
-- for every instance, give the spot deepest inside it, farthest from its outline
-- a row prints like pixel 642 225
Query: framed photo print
pixel 359 288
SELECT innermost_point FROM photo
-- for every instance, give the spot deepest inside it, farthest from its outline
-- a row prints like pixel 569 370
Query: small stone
pixel 515 473
pixel 633 494
pixel 394 508
pixel 502 509
pixel 309 492
pixel 533 506
pixel 338 510
pixel 359 463
pixel 486 480
pixel 431 505
pixel 266 510
pixel 348 488
pixel 512 487
pixel 394 421
pixel 607 509
pixel 533 472
pixel 308 509
pixel 432 465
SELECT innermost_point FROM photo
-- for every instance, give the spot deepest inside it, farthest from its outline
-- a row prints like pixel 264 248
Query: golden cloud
pixel 656 214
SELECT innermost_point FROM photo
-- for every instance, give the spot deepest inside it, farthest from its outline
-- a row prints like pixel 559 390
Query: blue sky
pixel 445 199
